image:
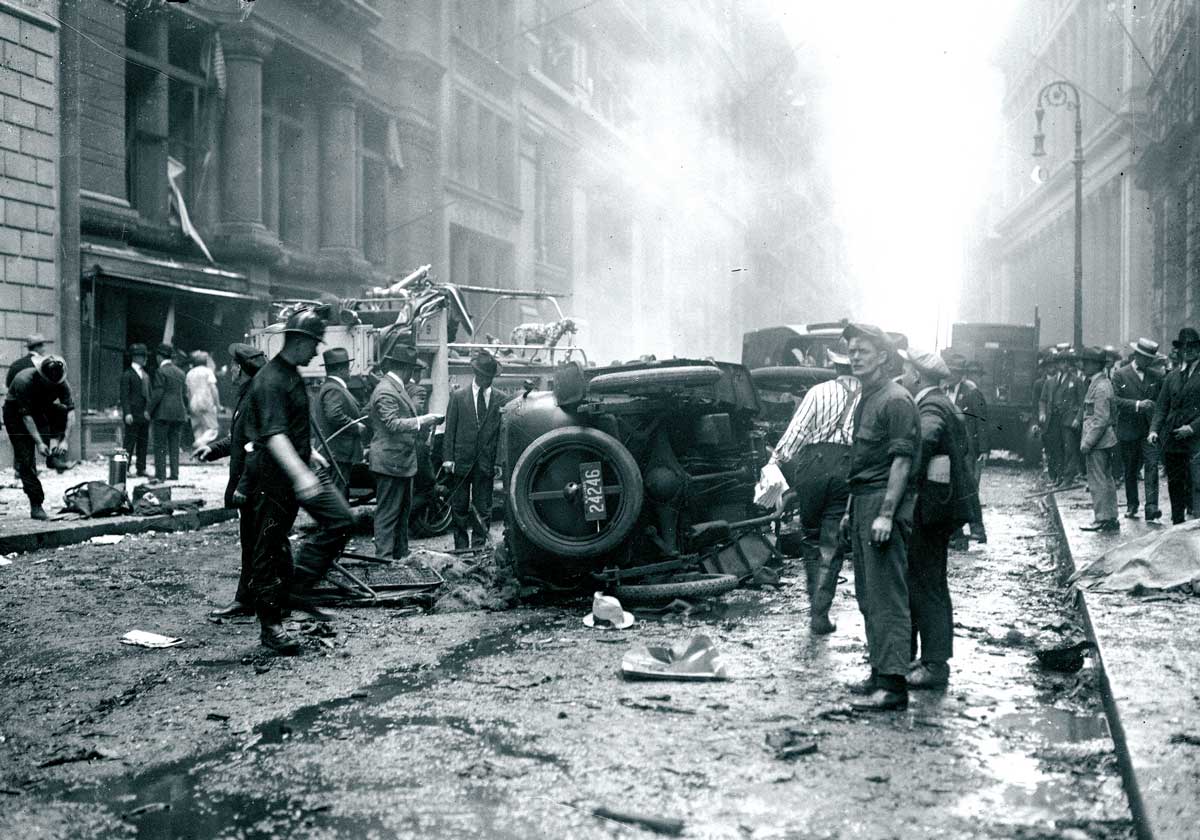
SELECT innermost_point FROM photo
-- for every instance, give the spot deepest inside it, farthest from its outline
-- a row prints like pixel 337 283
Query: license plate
pixel 594 507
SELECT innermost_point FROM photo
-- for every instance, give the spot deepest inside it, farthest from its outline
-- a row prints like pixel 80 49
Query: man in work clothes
pixel 880 514
pixel 168 412
pixel 35 346
pixel 278 425
pixel 395 424
pixel 1098 440
pixel 968 398
pixel 338 419
pixel 1135 387
pixel 135 406
pixel 945 489
pixel 240 487
pixel 39 414
pixel 814 456
pixel 1174 426
pixel 469 451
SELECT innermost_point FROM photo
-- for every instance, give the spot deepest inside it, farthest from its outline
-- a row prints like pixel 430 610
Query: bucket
pixel 118 468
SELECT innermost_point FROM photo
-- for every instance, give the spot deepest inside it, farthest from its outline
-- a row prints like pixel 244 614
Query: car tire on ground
pixel 695 586
pixel 546 492
pixel 654 379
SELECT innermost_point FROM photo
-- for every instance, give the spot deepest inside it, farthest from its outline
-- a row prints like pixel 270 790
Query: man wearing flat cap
pixel 168 413
pixel 879 517
pixel 1098 440
pixel 339 419
pixel 239 487
pixel 469 451
pixel 1135 391
pixel 396 423
pixel 1175 425
pixel 135 406
pixel 945 501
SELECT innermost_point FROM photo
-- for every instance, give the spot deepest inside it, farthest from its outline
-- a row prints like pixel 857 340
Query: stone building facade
pixel 1024 257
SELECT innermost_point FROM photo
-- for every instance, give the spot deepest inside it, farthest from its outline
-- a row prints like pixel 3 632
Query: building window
pixel 552 211
pixel 484 154
pixel 464 140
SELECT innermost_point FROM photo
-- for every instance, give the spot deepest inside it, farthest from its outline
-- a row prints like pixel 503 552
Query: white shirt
pixel 487 396
pixel 339 381
pixel 825 415
pixel 138 370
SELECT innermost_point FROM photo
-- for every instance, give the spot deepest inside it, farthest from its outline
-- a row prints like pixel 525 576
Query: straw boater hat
pixel 1145 347
pixel 607 613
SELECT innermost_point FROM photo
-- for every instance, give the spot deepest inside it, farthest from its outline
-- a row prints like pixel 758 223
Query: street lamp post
pixel 1066 94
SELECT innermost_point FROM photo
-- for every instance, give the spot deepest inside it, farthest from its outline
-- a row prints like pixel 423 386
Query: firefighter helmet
pixel 306 322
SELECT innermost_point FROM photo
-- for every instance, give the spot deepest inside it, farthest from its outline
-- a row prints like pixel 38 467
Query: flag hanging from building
pixel 174 170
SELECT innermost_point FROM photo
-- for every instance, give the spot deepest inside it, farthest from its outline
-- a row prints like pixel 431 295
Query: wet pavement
pixel 1150 645
pixel 517 724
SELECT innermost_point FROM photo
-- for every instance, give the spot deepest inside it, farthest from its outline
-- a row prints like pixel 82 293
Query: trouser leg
pixel 320 549
pixel 1150 456
pixel 388 499
pixel 833 550
pixel 400 546
pixel 929 595
pixel 174 435
pixel 271 560
pixel 25 461
pixel 481 504
pixel 247 532
pixel 1070 453
pixel 160 449
pixel 460 509
pixel 883 589
pixel 1052 444
pixel 1101 486
pixel 136 437
pixel 1131 463
pixel 1178 466
pixel 1194 477
pixel 339 477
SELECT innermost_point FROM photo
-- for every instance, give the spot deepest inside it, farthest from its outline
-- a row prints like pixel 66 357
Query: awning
pixel 133 266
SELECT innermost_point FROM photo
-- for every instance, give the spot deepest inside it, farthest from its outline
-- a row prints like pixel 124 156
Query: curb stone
pixel 74 534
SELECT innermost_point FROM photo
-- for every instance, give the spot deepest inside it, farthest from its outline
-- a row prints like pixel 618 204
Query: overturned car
pixel 639 476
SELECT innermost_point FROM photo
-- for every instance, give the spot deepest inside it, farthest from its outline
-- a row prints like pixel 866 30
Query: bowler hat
pixel 485 363
pixel 1146 347
pixel 404 354
pixel 1091 354
pixel 871 333
pixel 248 357
pixel 165 351
pixel 931 366
pixel 1187 335
pixel 335 356
pixel 36 339
pixel 137 349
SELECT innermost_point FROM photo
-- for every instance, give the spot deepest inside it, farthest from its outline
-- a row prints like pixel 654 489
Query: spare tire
pixel 546 493
pixel 787 378
pixel 654 379
pixel 694 586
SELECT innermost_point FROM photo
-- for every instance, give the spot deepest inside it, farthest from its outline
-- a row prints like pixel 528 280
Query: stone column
pixel 242 232
pixel 339 173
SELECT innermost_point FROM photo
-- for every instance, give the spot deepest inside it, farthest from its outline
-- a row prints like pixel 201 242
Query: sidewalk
pixel 1149 653
pixel 205 482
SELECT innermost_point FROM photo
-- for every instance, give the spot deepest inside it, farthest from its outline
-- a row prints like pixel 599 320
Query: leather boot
pixel 38 512
pixel 821 601
pixel 866 687
pixel 890 695
pixel 273 636
pixel 232 609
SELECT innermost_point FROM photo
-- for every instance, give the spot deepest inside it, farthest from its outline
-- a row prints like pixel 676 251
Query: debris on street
pixel 659 825
pixel 1158 561
pixel 696 659
pixel 141 638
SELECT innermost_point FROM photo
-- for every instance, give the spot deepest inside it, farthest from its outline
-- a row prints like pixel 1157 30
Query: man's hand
pixel 317 460
pixel 128 419
pixel 1041 419
pixel 43 449
pixel 881 529
pixel 448 466
pixel 844 528
pixel 1184 432
pixel 1084 450
pixel 361 428
pixel 307 487
pixel 239 498
pixel 201 453
pixel 58 447
pixel 1152 438
pixel 1145 405
pixel 1075 423
pixel 427 420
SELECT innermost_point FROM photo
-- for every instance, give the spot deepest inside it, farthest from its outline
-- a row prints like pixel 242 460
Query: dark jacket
pixel 23 363
pixel 469 441
pixel 135 395
pixel 943 433
pixel 168 396
pixel 337 408
pixel 233 447
pixel 1178 405
pixel 1129 390
pixel 1063 400
pixel 973 405
pixel 395 427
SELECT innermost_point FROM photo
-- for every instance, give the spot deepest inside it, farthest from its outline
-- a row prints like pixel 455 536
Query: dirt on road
pixel 518 724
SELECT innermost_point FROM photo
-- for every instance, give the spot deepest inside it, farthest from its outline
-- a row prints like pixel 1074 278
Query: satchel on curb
pixel 96 498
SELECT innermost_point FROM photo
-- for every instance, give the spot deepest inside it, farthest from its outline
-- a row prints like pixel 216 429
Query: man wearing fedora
pixel 135 406
pixel 469 451
pixel 1135 387
pixel 35 346
pixel 168 413
pixel 396 423
pixel 1098 440
pixel 1058 415
pixel 1174 426
pixel 339 419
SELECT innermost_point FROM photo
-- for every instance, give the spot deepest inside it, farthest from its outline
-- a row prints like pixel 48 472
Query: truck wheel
pixel 697 586
pixel 547 492
pixel 654 379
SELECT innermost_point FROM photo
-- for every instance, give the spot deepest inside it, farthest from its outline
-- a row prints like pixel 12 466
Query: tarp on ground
pixel 1160 561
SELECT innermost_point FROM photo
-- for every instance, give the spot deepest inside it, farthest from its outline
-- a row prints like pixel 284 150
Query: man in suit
pixel 1176 415
pixel 395 424
pixel 1098 439
pixel 135 406
pixel 968 398
pixel 250 360
pixel 338 414
pixel 168 412
pixel 1062 401
pixel 1136 386
pixel 469 451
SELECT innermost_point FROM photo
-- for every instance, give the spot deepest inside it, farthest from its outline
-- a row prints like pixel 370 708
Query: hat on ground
pixel 404 354
pixel 1145 347
pixel 37 339
pixel 165 351
pixel 836 358
pixel 485 363
pixel 871 333
pixel 335 356
pixel 930 365
pixel 248 357
pixel 1091 354
pixel 607 613
pixel 1187 335
pixel 138 349
pixel 53 368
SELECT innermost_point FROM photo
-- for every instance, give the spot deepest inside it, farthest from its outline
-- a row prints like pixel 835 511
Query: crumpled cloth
pixel 1163 560
pixel 697 659
pixel 768 493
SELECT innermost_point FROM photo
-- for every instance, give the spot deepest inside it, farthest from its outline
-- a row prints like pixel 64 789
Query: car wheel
pixel 654 379
pixel 433 518
pixel 695 587
pixel 790 378
pixel 547 492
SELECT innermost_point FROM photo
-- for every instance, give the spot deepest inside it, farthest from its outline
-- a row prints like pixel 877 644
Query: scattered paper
pixel 107 539
pixel 149 640
pixel 695 660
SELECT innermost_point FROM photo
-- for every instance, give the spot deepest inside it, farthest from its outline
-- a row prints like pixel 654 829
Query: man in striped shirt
pixel 814 456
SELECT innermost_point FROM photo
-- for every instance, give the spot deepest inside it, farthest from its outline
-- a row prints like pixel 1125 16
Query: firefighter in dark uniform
pixel 278 425
pixel 240 486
